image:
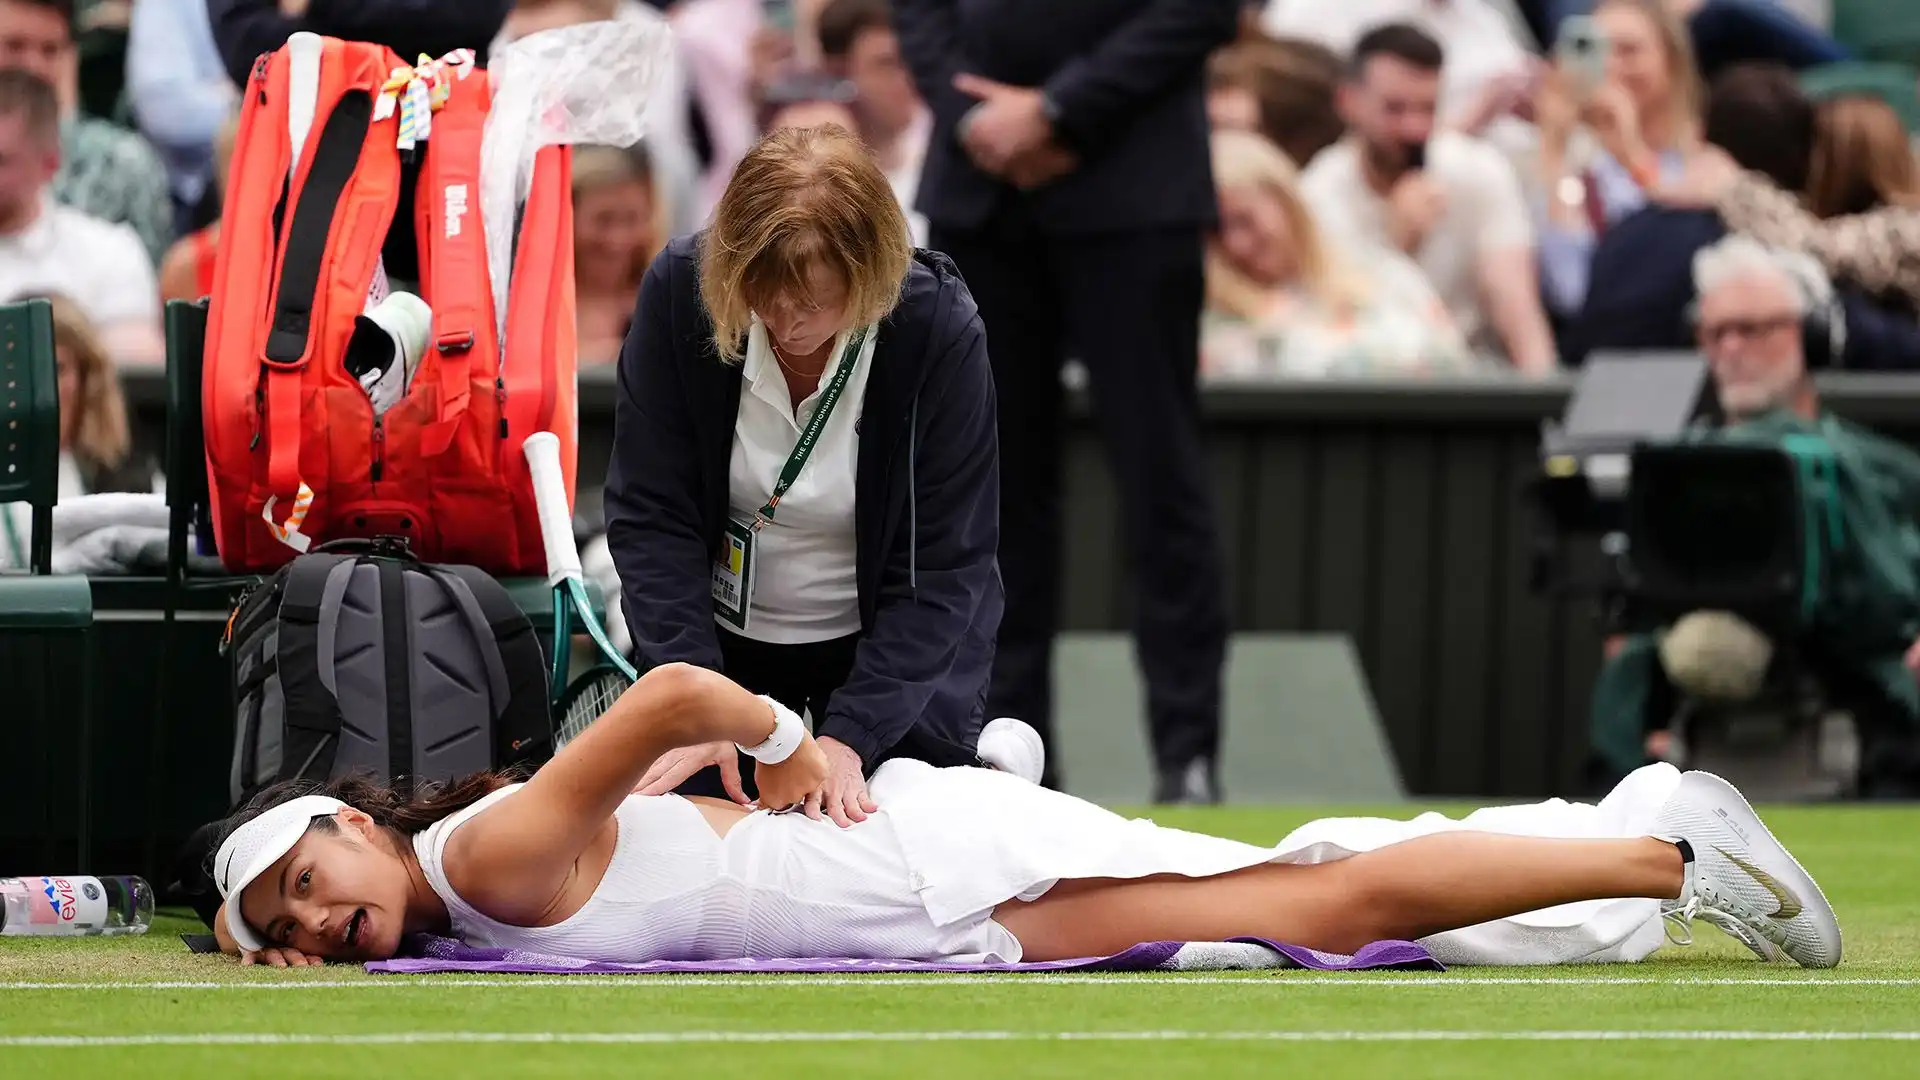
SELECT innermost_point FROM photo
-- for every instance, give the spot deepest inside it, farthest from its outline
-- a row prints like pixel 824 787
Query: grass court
pixel 131 1007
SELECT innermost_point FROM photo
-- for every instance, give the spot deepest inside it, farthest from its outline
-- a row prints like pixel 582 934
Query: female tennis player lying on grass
pixel 965 864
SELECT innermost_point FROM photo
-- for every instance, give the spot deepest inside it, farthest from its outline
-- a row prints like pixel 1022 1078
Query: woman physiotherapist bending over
pixel 805 477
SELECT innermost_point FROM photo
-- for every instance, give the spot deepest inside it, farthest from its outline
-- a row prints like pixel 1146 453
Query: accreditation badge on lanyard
pixel 733 567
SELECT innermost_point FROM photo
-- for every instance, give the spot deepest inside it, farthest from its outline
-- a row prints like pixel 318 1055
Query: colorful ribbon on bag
pixel 418 91
pixel 289 533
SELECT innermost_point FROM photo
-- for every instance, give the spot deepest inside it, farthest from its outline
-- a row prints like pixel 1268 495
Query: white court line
pixel 660 1037
pixel 1355 981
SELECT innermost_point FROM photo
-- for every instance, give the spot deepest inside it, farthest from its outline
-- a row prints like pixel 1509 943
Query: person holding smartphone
pixel 1450 202
pixel 1627 75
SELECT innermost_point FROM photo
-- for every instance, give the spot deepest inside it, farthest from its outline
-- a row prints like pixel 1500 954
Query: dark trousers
pixel 801 677
pixel 1127 304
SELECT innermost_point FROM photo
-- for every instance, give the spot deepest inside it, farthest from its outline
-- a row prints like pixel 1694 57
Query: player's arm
pixel 512 858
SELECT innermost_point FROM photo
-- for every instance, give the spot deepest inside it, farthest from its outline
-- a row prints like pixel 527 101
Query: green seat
pixel 1879 29
pixel 30 471
pixel 30 602
pixel 38 608
pixel 1896 84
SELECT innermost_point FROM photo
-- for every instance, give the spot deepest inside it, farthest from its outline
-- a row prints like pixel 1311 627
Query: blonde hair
pixel 1862 159
pixel 1245 160
pixel 598 167
pixel 801 198
pixel 101 438
pixel 1688 103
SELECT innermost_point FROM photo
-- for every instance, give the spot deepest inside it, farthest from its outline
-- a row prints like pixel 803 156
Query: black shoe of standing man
pixel 1192 784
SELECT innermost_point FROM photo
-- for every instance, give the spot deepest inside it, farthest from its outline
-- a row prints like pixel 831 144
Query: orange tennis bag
pixel 295 452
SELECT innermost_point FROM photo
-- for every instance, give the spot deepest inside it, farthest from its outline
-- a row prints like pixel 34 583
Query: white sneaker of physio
pixel 387 344
pixel 1012 746
pixel 1738 870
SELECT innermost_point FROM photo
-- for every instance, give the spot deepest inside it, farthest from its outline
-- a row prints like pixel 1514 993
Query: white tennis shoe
pixel 1741 879
pixel 1012 746
pixel 1680 918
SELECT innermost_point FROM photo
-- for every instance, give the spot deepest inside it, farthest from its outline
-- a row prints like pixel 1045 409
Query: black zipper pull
pixel 379 450
pixel 500 401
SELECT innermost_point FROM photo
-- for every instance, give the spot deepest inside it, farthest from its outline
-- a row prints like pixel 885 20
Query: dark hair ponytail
pixel 389 809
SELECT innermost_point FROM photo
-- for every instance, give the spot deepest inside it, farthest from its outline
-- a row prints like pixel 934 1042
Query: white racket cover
pixel 303 90
pixel 550 500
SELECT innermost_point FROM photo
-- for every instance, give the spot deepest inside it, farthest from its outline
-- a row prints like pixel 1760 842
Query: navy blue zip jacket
pixel 926 517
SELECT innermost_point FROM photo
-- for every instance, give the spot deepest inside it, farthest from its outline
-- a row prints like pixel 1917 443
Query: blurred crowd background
pixel 1792 119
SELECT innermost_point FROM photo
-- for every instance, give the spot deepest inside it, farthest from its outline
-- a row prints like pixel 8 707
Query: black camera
pixel 1619 403
pixel 1678 524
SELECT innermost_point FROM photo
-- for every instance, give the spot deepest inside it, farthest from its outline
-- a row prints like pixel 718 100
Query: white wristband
pixel 788 730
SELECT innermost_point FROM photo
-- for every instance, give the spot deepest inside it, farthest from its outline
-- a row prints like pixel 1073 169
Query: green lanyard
pixel 829 397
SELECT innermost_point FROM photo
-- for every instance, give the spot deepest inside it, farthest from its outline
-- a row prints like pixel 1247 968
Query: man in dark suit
pixel 1068 177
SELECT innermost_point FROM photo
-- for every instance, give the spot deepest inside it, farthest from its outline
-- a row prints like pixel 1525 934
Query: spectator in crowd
pixel 45 246
pixel 1068 177
pixel 1646 115
pixel 1729 32
pixel 1285 89
pixel 187 271
pixel 859 45
pixel 804 393
pixel 1863 159
pixel 1283 302
pixel 1450 201
pixel 246 28
pixel 95 444
pixel 105 170
pixel 1861 214
pixel 672 162
pixel 181 98
pixel 1488 66
pixel 1755 308
pixel 1640 284
pixel 808 101
pixel 619 225
pixel 730 55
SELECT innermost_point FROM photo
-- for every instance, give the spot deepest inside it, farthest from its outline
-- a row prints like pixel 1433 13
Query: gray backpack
pixel 359 658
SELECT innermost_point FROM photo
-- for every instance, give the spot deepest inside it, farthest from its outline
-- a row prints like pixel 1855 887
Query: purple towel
pixel 425 954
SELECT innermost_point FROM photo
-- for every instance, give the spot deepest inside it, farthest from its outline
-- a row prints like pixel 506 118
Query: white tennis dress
pixel 920 879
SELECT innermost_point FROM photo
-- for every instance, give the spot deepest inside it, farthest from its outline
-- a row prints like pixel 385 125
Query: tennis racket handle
pixel 303 89
pixel 550 500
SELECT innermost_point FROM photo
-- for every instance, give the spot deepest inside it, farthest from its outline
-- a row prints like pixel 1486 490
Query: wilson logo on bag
pixel 337 141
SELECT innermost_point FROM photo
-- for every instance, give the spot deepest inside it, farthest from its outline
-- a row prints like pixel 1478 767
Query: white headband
pixel 250 849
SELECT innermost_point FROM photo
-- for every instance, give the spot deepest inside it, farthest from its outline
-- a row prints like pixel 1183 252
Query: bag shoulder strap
pixel 516 666
pixel 454 270
pixel 312 714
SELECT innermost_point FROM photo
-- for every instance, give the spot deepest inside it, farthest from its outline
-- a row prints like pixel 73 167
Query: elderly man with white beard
pixel 1760 311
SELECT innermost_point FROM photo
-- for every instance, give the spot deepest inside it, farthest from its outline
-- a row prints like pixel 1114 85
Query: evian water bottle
pixel 46 906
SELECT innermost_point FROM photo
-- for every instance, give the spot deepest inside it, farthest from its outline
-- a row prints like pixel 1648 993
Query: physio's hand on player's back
pixel 675 767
